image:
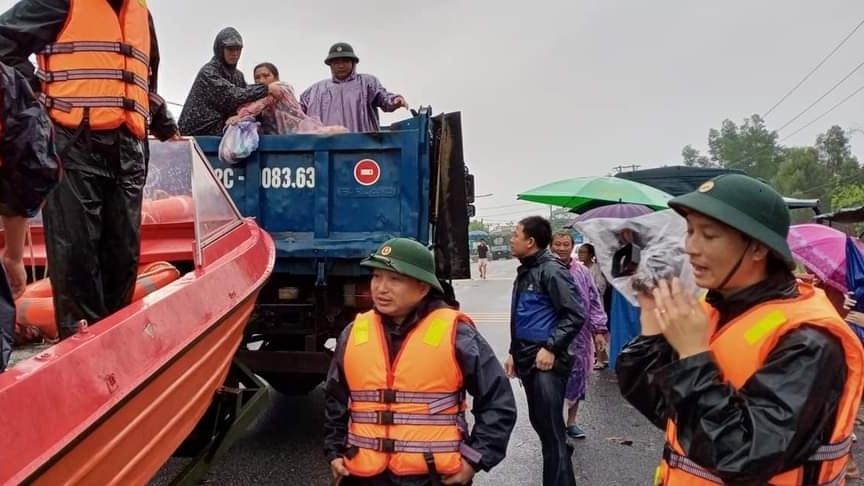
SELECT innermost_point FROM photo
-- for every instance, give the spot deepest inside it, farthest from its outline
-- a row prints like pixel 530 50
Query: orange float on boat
pixel 35 307
pixel 34 319
pixel 152 277
pixel 168 210
pixel 39 288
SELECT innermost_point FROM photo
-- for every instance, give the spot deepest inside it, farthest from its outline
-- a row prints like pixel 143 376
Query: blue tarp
pixel 623 325
pixel 855 280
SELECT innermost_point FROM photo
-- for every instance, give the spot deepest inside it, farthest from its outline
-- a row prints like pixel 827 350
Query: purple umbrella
pixel 822 249
pixel 620 210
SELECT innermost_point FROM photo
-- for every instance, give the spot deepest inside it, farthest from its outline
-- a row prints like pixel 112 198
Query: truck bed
pixel 336 198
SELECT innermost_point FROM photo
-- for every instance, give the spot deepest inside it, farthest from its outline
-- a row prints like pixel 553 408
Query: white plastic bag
pixel 238 141
pixel 660 236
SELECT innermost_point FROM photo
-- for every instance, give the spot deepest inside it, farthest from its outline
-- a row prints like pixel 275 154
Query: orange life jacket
pixel 740 349
pixel 99 65
pixel 407 416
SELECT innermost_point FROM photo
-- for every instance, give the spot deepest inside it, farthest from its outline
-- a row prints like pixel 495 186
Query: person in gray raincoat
pixel 219 89
pixel 92 219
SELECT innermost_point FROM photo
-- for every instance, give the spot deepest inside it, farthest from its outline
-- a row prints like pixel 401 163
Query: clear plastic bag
pixel 238 141
pixel 284 114
pixel 659 237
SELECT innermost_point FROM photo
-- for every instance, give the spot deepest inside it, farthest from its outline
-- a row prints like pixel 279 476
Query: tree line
pixel 827 170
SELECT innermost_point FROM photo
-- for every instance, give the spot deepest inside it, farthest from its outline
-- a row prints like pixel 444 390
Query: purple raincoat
pixel 352 103
pixel 582 347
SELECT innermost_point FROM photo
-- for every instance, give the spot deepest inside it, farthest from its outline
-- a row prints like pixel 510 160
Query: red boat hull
pixel 110 405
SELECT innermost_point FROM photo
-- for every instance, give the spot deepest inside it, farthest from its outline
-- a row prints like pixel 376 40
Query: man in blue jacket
pixel 546 314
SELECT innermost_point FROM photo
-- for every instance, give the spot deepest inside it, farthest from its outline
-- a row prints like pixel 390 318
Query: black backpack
pixel 30 167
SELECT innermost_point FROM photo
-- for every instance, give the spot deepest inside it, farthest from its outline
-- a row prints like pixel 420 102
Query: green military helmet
pixel 406 257
pixel 746 204
pixel 341 50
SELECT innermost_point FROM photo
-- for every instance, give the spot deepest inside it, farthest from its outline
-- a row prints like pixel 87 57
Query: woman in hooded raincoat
pixel 219 89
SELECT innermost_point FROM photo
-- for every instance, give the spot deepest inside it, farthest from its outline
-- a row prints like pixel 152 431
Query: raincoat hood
pixel 227 37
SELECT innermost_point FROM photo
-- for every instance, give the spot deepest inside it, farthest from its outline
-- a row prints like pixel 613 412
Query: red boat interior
pixel 201 267
pixel 171 233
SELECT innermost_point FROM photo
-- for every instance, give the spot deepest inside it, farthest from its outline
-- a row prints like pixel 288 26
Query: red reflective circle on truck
pixel 367 172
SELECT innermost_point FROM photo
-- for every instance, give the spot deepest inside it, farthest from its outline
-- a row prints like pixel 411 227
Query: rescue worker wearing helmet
pixel 349 99
pixel 98 67
pixel 761 382
pixel 396 388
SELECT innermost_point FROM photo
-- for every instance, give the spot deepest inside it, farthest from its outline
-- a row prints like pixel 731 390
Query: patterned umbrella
pixel 822 249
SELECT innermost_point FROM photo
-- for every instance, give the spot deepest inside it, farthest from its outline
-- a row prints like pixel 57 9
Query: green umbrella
pixel 583 193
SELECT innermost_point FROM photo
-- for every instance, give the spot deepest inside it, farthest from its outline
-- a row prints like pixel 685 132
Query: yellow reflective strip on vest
pixel 361 332
pixel 435 332
pixel 658 476
pixel 772 321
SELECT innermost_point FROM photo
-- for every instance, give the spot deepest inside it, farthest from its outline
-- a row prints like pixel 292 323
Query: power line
pixel 816 68
pixel 859 66
pixel 844 100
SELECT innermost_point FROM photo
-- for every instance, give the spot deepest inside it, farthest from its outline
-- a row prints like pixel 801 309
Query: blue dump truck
pixel 330 201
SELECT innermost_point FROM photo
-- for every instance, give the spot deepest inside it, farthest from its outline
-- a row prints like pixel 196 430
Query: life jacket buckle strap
pixel 54 103
pixel 128 77
pixel 66 104
pixel 387 396
pixel 470 453
pixel 677 461
pixel 95 46
pixel 156 100
pixel 829 452
pixel 437 401
pixel 388 417
pixel 445 402
pixel 385 417
pixel 387 445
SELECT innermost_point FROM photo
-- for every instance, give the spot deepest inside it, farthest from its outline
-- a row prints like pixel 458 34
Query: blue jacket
pixel 546 312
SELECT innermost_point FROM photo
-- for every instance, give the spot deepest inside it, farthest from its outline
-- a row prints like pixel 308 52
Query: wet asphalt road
pixel 284 446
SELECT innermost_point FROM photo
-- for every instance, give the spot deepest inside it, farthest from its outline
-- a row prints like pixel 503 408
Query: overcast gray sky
pixel 550 90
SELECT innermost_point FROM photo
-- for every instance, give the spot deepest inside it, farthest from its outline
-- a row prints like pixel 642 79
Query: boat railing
pixel 181 189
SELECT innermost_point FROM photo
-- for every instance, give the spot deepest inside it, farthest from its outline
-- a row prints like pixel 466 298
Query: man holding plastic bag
pixel 758 384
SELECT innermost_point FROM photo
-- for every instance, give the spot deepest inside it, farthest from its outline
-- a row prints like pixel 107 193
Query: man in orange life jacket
pixel 759 384
pixel 98 64
pixel 395 392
